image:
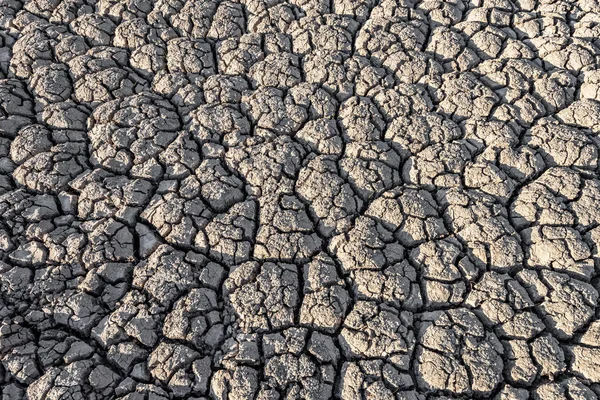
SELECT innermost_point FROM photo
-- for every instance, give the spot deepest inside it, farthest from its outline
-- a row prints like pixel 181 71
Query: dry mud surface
pixel 304 199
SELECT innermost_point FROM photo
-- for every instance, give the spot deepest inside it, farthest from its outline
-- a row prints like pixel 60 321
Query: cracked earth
pixel 303 199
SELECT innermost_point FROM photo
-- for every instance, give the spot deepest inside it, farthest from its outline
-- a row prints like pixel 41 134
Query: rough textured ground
pixel 304 199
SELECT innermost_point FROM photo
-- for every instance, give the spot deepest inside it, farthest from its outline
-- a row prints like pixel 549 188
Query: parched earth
pixel 303 199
